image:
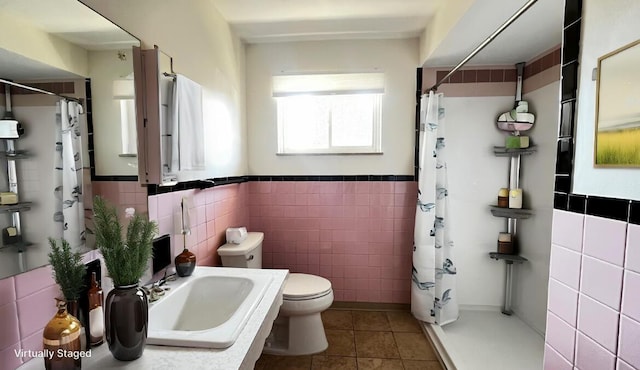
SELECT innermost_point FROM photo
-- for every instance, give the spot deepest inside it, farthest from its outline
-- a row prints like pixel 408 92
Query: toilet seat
pixel 303 287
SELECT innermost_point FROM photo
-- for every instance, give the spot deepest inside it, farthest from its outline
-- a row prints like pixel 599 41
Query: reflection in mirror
pixel 65 48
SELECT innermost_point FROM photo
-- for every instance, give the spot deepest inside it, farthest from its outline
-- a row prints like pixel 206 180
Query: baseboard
pixel 371 306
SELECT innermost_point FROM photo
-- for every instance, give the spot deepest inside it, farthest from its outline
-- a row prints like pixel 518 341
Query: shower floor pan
pixel 482 339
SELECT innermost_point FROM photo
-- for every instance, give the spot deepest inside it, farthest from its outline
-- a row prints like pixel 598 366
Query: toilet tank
pixel 247 254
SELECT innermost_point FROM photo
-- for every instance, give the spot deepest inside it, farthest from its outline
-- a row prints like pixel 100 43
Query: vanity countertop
pixel 241 355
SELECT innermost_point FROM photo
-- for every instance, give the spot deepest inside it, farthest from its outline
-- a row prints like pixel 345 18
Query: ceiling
pixel 538 30
pixel 70 20
pixel 291 20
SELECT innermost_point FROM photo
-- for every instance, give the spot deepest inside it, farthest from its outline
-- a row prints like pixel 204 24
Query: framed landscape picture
pixel 617 138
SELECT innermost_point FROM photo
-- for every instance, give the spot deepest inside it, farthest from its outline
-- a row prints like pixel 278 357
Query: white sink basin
pixel 208 309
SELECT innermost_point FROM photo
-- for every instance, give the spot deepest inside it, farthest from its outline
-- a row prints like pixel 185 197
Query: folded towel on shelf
pixel 188 125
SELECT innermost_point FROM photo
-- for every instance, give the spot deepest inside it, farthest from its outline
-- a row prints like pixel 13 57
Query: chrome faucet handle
pixel 154 295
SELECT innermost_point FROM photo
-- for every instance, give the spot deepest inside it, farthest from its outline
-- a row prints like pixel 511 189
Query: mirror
pixel 66 48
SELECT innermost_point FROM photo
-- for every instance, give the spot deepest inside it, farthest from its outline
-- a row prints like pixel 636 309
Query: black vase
pixel 126 321
pixel 185 263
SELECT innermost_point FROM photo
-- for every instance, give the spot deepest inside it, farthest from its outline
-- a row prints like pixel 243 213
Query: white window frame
pixel 338 84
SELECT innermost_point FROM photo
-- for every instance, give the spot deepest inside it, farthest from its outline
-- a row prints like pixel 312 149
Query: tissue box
pixel 236 235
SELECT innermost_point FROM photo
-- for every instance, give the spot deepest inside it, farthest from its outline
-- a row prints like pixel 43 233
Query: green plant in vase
pixel 126 254
pixel 68 272
pixel 64 331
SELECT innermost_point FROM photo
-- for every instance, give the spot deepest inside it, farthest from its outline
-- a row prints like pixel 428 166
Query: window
pixel 329 113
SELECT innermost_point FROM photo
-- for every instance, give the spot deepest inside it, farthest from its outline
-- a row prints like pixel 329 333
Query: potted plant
pixel 68 272
pixel 64 331
pixel 126 255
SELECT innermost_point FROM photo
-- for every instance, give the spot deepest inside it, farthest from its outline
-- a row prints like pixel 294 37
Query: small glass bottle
pixel 61 341
pixel 96 313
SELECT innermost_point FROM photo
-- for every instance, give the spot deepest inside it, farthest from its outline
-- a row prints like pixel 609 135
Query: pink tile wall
pixel 593 305
pixel 213 211
pixel 359 235
pixel 27 303
pixel 122 194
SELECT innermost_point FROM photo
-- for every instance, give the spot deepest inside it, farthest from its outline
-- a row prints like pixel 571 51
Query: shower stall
pixel 502 307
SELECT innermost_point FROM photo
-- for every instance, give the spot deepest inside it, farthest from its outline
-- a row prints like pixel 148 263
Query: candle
pixel 515 198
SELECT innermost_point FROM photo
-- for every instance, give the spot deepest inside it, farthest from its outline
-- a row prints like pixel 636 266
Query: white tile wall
pixel 563 301
pixel 560 336
pixel 554 361
pixel 599 322
pixel 565 266
pixel 591 356
pixel 630 341
pixel 567 230
pixel 605 239
pixel 602 281
pixel 604 255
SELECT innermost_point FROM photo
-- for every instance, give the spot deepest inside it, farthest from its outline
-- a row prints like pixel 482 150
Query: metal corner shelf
pixel 508 258
pixel 17 246
pixel 501 151
pixel 520 213
pixel 16 154
pixel 18 207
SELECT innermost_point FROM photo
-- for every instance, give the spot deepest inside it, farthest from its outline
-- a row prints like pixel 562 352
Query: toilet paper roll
pixel 236 235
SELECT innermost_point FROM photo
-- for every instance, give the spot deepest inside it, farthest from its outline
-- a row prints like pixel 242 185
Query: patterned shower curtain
pixel 68 173
pixel 433 291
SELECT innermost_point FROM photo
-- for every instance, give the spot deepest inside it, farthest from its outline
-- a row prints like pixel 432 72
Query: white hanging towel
pixel 188 129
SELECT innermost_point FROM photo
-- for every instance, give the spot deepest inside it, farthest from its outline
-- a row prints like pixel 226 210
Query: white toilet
pixel 298 329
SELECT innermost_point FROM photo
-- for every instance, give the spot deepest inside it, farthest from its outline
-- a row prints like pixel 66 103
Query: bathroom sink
pixel 208 309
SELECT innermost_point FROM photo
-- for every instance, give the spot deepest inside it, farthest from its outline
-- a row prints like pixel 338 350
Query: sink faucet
pixel 155 291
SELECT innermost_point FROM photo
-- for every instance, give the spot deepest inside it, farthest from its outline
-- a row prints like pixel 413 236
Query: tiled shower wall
pixel 357 234
pixel 593 317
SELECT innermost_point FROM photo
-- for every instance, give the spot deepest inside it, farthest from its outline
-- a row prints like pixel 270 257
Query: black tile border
pixel 577 203
pixel 634 212
pixel 219 181
pixel 332 178
pixel 617 209
pixel 625 210
pixel 198 184
pixel 614 208
pixel 89 115
pixel 115 178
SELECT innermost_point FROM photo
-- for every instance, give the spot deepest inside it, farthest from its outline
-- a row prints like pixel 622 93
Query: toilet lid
pixel 305 286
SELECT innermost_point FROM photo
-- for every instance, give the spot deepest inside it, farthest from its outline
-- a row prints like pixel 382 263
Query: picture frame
pixel 617 126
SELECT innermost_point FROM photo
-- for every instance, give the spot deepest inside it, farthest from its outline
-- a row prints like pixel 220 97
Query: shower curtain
pixel 68 173
pixel 433 292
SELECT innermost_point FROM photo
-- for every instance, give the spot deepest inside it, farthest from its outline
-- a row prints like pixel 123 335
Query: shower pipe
pixel 27 87
pixel 486 42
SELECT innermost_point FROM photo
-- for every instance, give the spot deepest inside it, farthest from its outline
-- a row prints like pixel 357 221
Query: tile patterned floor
pixel 365 340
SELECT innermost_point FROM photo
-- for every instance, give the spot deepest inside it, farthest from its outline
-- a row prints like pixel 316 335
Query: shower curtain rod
pixel 27 87
pixel 486 42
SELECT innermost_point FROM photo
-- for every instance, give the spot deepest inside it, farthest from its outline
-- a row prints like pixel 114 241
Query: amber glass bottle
pixel 185 263
pixel 61 341
pixel 96 313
